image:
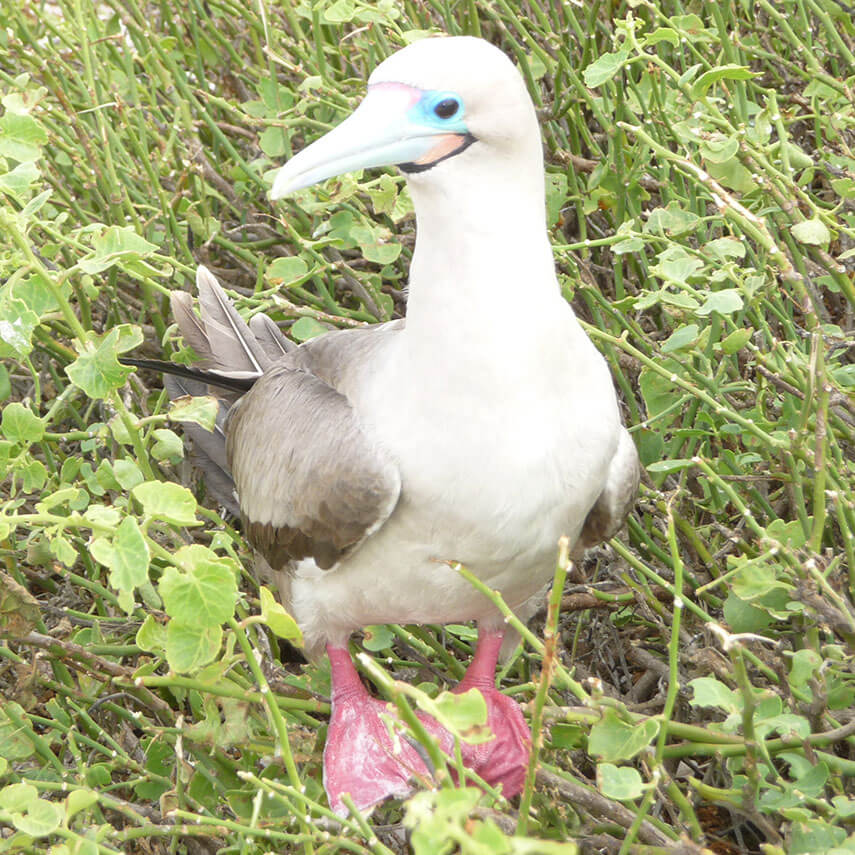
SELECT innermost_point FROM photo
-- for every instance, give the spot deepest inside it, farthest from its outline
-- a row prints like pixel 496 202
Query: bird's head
pixel 437 102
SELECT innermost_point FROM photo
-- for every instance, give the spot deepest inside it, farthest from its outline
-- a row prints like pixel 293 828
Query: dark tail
pixel 176 369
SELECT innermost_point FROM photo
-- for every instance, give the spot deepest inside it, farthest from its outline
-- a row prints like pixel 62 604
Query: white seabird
pixel 480 429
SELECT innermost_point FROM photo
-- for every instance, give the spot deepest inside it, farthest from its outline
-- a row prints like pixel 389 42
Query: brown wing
pixel 311 482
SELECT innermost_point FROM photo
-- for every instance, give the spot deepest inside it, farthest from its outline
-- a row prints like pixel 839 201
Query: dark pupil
pixel 446 108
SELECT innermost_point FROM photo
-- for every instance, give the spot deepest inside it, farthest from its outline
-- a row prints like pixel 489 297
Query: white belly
pixel 490 487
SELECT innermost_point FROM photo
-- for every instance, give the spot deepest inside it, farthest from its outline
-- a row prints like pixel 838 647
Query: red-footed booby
pixel 480 429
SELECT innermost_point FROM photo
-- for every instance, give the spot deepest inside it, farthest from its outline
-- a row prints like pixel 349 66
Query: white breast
pixel 498 459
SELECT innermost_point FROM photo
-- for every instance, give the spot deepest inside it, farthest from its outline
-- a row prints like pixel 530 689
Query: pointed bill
pixel 384 130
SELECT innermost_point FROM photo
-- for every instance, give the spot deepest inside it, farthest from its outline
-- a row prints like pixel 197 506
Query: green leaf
pixel 190 646
pixel 21 425
pixel 813 232
pixel 383 195
pixel 17 323
pixel 127 473
pixel 116 244
pixel 723 72
pixel 201 410
pixel 737 340
pixel 278 619
pixel 815 837
pixel 724 302
pixel 805 664
pixel 667 466
pixel 127 556
pixel 34 476
pixel 614 739
pixel 63 550
pixel 167 446
pixel 17 798
pixel 376 245
pixel 630 244
pixel 679 299
pixel 98 775
pixel 103 515
pixel 709 692
pixel 844 375
pixel 151 636
pixel 683 337
pixel 205 592
pixel 790 533
pixel 604 68
pixel 306 328
pixel 672 220
pixel 741 616
pixel 340 12
pixel 42 818
pixel 659 393
pixel 718 148
pixel 733 175
pixel 619 782
pixel 378 637
pixel 799 159
pixel 167 501
pixel 556 196
pixel 567 736
pixel 78 800
pixel 18 181
pixel 662 34
pixel 756 581
pixel 97 371
pixel 844 807
pixel 464 714
pixel 286 270
pixel 21 137
pixel 787 724
pixel 676 265
pixel 273 142
pixel 16 743
pixel 35 205
pixel 726 247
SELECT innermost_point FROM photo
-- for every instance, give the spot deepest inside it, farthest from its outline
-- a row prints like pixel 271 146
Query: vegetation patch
pixel 691 686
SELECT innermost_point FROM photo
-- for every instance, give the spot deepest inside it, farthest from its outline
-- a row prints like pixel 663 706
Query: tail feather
pixel 191 326
pixel 231 383
pixel 270 337
pixel 234 355
pixel 208 448
pixel 231 343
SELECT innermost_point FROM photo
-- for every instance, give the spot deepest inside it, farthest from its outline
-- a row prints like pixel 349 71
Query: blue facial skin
pixel 425 112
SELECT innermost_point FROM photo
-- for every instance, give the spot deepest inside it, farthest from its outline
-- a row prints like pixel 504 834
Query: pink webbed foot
pixel 502 760
pixel 361 756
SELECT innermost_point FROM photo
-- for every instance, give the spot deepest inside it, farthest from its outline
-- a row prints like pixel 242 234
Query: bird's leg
pixel 504 758
pixel 363 756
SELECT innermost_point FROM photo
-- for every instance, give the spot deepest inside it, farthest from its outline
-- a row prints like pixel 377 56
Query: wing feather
pixel 311 481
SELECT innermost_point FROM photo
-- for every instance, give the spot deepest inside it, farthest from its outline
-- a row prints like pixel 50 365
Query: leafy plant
pixel 693 680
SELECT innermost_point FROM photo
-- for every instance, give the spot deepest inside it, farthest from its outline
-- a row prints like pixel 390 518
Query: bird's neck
pixel 481 253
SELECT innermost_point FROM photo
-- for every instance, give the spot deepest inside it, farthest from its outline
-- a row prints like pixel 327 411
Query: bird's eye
pixel 447 108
